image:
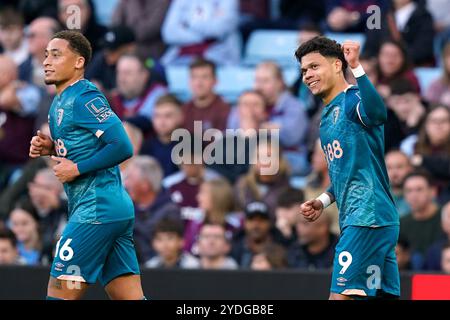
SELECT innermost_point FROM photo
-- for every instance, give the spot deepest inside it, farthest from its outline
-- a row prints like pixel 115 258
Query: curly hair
pixel 77 43
pixel 323 45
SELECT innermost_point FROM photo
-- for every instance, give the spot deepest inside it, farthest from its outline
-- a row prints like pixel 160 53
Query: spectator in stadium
pixel 403 254
pixel 445 262
pixel 422 226
pixel 167 117
pixel 197 28
pixel 216 202
pixel 18 108
pixel 184 185
pixel 272 257
pixel 135 96
pixel 205 106
pixel 405 114
pixel 439 89
pixel 87 22
pixel 286 113
pixel 434 252
pixel 258 232
pixel 39 33
pixel 10 196
pixel 117 41
pixel 408 22
pixel 136 138
pixel 142 179
pixel 317 181
pixel 12 35
pixel 314 248
pixel 393 64
pixel 145 18
pixel 214 246
pixel 25 226
pixel 168 245
pixel 249 113
pixel 432 149
pixel 258 186
pixel 286 214
pixel 398 166
pixel 9 254
pixel 46 194
pixel 32 9
pixel 350 15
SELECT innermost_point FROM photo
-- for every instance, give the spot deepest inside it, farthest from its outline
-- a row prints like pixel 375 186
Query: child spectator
pixel 25 226
pixel 273 257
pixel 168 243
pixel 9 254
pixel 286 214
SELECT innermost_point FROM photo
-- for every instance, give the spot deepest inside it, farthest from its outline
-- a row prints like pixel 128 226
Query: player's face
pixel 319 73
pixel 8 254
pixel 166 118
pixel 60 62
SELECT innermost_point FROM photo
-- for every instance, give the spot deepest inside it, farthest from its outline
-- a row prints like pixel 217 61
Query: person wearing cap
pixel 257 234
pixel 117 41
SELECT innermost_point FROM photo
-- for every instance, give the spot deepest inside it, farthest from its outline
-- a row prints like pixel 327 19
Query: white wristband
pixel 358 71
pixel 325 199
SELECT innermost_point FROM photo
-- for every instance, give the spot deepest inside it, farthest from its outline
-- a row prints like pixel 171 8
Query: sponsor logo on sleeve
pixel 99 109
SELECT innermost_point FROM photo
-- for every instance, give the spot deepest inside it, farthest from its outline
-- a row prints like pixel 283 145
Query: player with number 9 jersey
pixel 352 138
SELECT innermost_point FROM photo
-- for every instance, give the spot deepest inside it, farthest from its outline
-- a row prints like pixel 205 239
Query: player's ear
pixel 338 65
pixel 79 64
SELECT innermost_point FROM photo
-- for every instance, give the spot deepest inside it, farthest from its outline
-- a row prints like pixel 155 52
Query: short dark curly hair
pixel 323 45
pixel 77 43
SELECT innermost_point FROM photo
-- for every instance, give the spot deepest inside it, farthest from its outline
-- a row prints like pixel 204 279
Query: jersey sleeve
pixel 92 112
pixel 365 106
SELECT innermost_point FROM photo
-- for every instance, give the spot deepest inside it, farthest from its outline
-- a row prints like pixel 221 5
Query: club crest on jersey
pixel 60 116
pixel 99 109
pixel 335 114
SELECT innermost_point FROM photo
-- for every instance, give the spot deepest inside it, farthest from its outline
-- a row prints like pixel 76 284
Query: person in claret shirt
pixel 205 106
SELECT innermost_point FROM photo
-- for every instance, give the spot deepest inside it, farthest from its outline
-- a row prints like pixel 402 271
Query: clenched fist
pixel 351 53
pixel 41 145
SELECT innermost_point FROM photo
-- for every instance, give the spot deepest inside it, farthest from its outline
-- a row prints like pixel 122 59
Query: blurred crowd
pixel 217 215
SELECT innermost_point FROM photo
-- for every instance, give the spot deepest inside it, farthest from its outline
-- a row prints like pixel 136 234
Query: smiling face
pixel 61 62
pixel 320 73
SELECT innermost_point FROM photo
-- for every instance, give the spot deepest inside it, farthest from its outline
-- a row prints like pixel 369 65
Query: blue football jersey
pixel 77 118
pixel 354 148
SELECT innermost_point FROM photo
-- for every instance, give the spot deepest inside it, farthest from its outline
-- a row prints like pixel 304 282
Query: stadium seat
pixel 426 76
pixel 341 37
pixel 276 45
pixel 231 80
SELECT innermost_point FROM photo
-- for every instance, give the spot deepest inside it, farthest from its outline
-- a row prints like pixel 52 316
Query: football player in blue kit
pixel 352 138
pixel 87 142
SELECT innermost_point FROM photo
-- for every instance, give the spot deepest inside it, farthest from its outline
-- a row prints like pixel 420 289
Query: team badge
pixel 60 116
pixel 335 114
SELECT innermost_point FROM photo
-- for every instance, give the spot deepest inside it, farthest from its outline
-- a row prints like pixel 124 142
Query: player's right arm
pixel 41 145
pixel 312 209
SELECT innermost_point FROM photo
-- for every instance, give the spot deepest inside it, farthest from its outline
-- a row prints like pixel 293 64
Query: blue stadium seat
pixel 231 80
pixel 178 79
pixel 276 45
pixel 341 37
pixel 426 76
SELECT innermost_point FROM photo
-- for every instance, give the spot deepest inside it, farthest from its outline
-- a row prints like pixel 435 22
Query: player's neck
pixel 340 86
pixel 63 86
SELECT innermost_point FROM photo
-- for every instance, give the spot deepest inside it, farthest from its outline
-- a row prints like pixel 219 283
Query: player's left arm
pixel 370 110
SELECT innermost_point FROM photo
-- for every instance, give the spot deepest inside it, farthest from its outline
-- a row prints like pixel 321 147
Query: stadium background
pixel 144 50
